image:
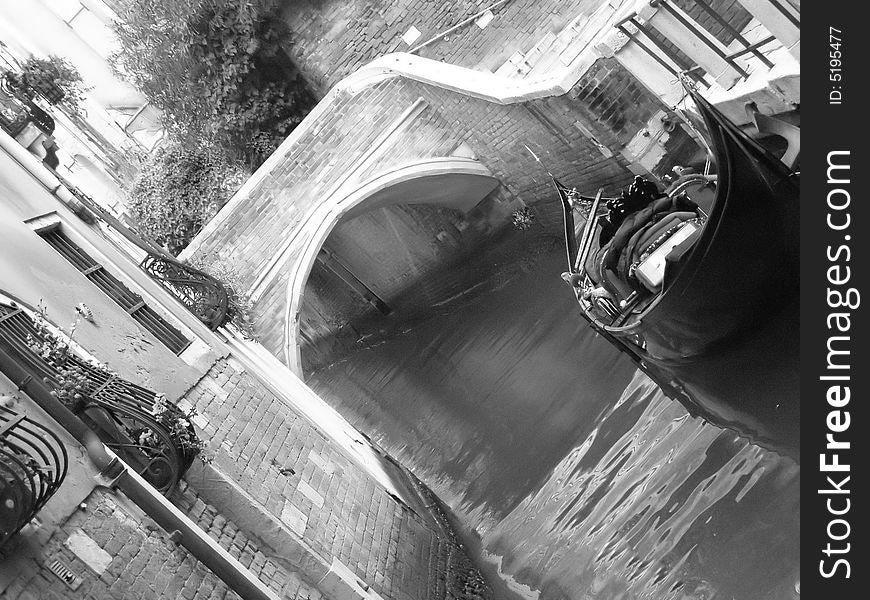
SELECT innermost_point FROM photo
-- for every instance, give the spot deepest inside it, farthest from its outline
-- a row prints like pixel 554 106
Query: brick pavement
pixel 309 483
pixel 245 547
pixel 144 565
pixel 298 476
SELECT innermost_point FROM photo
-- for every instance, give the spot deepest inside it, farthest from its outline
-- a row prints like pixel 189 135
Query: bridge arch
pixel 452 182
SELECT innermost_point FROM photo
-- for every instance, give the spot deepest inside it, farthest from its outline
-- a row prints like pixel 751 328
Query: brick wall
pixel 144 563
pixel 310 484
pixel 332 38
pixel 323 154
pixel 615 104
pixel 730 10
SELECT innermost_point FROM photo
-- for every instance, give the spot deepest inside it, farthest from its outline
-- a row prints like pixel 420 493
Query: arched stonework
pixel 453 182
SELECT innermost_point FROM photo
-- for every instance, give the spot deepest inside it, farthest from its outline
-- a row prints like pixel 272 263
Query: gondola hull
pixel 745 265
pixel 722 336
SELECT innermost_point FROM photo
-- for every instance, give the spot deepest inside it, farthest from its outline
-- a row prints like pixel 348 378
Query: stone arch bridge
pixel 405 129
pixel 391 140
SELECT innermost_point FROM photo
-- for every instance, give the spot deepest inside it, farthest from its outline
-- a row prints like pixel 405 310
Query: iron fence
pixel 33 464
pixel 149 433
pixel 642 35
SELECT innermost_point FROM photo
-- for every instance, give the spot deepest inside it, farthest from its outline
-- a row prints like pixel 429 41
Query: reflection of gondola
pixel 687 276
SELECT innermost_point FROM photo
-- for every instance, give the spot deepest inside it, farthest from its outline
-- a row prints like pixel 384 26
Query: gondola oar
pixel 588 232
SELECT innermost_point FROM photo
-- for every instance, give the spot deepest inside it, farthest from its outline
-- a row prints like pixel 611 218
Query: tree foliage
pixel 216 69
pixel 178 190
pixel 53 78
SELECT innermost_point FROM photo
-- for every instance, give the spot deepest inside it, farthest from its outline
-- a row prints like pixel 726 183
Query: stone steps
pixel 558 50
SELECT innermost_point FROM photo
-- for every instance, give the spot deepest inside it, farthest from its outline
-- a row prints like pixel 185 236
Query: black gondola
pixel 683 282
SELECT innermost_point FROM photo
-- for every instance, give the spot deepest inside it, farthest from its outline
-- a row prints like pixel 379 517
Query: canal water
pixel 578 477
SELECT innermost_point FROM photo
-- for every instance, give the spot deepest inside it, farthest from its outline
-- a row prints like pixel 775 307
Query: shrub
pixel 180 188
pixel 216 69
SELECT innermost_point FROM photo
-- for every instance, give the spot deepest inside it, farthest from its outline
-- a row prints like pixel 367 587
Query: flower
pixel 522 218
pixel 149 438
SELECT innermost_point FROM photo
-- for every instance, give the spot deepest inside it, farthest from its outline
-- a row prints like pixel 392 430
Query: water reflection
pixel 483 400
pixel 583 480
pixel 671 508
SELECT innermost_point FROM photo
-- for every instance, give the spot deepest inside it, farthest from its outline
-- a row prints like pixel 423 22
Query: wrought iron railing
pixel 202 294
pixel 33 464
pixel 636 30
pixel 747 46
pixel 150 434
pixel 199 292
